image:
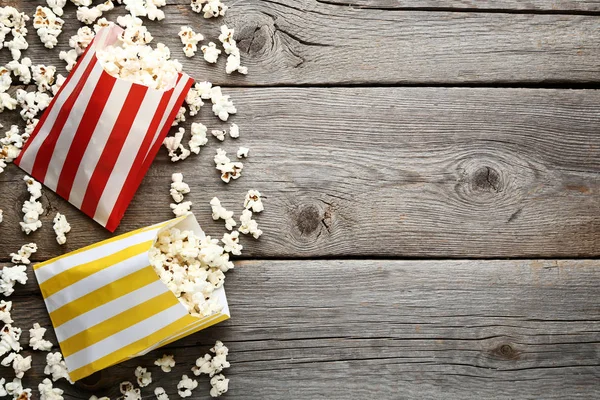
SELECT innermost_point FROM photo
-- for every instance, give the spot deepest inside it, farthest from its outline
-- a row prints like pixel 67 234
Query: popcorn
pixel 11 145
pixel 180 117
pixel 103 23
pixel 160 394
pixel 229 170
pixel 14 22
pixel 144 378
pixel 22 256
pixel 166 362
pixel 83 3
pixel 19 363
pixel 234 131
pixel 32 208
pixel 190 40
pixel 56 367
pixel 9 339
pixel 61 228
pixel 211 53
pixel 33 187
pixel 253 201
pixel 129 392
pixel 248 225
pixel 48 26
pixel 204 89
pixel 7 102
pixel 43 77
pixel 57 6
pixel 36 338
pixel 32 103
pixel 89 15
pixel 173 144
pixel 231 243
pixel 178 187
pixel 21 69
pixel 60 80
pixel 146 8
pixel 9 276
pixel 5 79
pixel 214 9
pixel 70 57
pixel 181 208
pixel 199 138
pixel 234 63
pixel 194 100
pixel 47 392
pixel 242 152
pixel 218 134
pixel 82 39
pixel 203 365
pixel 230 46
pixel 3 392
pixel 15 389
pixel 219 212
pixel 93 397
pixel 222 106
pixel 186 385
pixel 219 385
pixel 5 307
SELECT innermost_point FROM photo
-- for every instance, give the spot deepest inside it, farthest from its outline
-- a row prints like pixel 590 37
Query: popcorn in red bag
pixel 96 140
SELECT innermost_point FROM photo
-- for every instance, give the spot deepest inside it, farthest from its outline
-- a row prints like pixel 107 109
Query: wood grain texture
pixel 290 42
pixel 387 329
pixel 382 172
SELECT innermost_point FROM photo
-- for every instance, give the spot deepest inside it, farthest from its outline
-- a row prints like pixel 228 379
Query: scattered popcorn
pixel 31 103
pixel 146 8
pixel 19 363
pixel 160 394
pixel 36 338
pixel 15 389
pixel 230 46
pixel 70 57
pixel 218 134
pixel 181 208
pixel 199 138
pixel 93 397
pixel 190 40
pixel 88 15
pixel 48 26
pixel 219 385
pixel 178 187
pixel 43 77
pixel 186 385
pixel 1 216
pixel 214 9
pixel 144 378
pixel 173 144
pixel 5 307
pixel 57 6
pixel 9 276
pixel 14 22
pixel 204 89
pixel 11 145
pixel 211 53
pixel 82 39
pixel 47 392
pixel 56 367
pixel 21 69
pixel 32 209
pixel 3 392
pixel 234 131
pixel 194 100
pixel 231 243
pixel 219 212
pixel 203 365
pixel 253 201
pixel 83 3
pixel 242 152
pixel 166 362
pixel 9 339
pixel 229 170
pixel 222 106
pixel 22 256
pixel 7 102
pixel 61 228
pixel 102 23
pixel 248 225
pixel 180 117
pixel 129 392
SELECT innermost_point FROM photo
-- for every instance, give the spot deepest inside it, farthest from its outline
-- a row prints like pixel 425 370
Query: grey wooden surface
pixel 360 171
pixel 390 329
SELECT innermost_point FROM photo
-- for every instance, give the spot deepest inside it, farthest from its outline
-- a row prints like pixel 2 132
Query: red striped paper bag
pixel 96 140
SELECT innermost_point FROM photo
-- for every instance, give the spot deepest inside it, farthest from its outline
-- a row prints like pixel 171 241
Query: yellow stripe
pixel 75 274
pixel 133 348
pixel 117 323
pixel 113 239
pixel 103 295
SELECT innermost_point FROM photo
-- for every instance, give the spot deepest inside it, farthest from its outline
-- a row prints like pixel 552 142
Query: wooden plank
pixel 392 329
pixel 289 42
pixel 383 172
pixel 485 5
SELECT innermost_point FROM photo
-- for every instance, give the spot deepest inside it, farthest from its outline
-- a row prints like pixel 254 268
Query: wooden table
pixel 431 172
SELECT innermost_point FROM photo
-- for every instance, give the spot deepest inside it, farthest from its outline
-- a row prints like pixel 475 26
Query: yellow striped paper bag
pixel 107 304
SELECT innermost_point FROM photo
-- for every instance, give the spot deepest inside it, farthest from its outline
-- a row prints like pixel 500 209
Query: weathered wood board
pixel 384 172
pixel 387 329
pixel 292 42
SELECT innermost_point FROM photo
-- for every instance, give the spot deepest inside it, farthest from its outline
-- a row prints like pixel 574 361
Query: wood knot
pixel 92 382
pixel 506 352
pixel 486 179
pixel 308 219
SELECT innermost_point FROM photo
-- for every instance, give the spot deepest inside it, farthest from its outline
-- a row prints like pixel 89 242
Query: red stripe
pixel 42 161
pixel 51 105
pixel 82 137
pixel 142 163
pixel 112 149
